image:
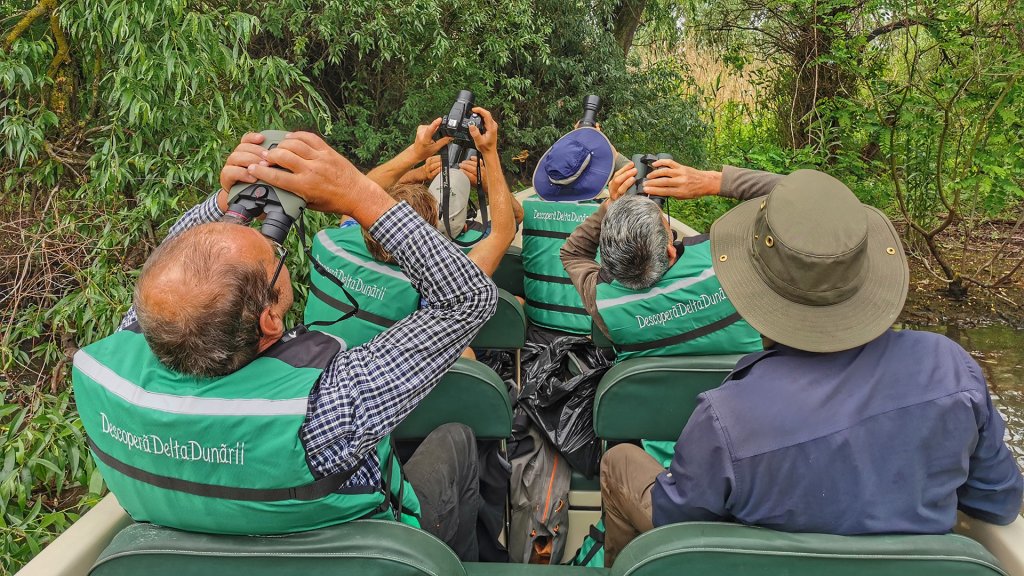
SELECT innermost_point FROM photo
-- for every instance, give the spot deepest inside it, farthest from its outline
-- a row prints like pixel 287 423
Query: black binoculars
pixel 644 165
pixel 248 201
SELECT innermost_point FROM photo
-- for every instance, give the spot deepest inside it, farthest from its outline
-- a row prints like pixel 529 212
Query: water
pixel 999 351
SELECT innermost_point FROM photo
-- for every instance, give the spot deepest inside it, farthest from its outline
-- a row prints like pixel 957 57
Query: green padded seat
pixel 362 548
pixel 580 482
pixel 506 330
pixel 469 393
pixel 653 397
pixel 492 569
pixel 709 548
pixel 509 274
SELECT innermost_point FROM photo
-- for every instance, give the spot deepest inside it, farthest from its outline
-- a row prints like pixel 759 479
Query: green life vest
pixel 222 455
pixel 384 292
pixel 685 313
pixel 551 299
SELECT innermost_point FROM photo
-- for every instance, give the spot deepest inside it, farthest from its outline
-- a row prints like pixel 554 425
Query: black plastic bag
pixel 560 380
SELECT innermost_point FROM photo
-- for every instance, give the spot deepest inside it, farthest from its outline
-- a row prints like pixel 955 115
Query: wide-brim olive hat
pixel 809 266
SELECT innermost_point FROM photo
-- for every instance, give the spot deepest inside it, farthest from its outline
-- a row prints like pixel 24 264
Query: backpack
pixel 591 553
pixel 540 500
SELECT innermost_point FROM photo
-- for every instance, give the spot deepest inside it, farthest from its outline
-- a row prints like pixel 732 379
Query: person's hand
pixel 468 168
pixel 621 181
pixel 235 168
pixel 424 145
pixel 487 142
pixel 674 180
pixel 432 168
pixel 325 179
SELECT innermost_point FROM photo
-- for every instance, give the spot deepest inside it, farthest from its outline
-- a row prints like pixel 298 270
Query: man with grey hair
pixel 205 413
pixel 650 295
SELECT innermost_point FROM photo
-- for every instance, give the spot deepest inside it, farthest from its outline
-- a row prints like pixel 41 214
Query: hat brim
pixel 594 178
pixel 828 328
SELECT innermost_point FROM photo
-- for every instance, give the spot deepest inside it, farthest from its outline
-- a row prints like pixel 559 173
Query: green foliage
pixel 916 107
pixel 46 474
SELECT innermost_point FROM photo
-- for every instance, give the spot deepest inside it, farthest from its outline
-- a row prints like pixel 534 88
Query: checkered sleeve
pixel 206 211
pixel 367 391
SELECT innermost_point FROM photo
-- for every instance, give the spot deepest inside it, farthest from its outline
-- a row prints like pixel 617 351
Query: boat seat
pixel 716 548
pixel 493 569
pixel 653 397
pixel 363 548
pixel 506 330
pixel 509 274
pixel 469 393
pixel 580 482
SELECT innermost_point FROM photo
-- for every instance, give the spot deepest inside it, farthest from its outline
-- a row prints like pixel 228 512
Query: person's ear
pixel 271 324
pixel 671 253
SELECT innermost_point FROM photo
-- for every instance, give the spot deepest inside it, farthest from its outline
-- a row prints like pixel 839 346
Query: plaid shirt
pixel 367 391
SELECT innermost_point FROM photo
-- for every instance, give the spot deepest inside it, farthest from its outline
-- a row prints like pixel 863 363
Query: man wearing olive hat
pixel 842 425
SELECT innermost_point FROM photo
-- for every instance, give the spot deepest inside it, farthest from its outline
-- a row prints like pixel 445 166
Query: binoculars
pixel 247 201
pixel 644 165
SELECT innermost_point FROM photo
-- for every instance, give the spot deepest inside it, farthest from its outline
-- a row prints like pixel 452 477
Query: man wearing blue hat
pixel 568 177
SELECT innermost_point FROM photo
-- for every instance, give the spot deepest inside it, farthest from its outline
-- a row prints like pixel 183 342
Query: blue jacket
pixel 889 437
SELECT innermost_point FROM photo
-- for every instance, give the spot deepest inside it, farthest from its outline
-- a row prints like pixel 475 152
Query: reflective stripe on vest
pixel 551 299
pixel 384 292
pixel 685 313
pixel 220 455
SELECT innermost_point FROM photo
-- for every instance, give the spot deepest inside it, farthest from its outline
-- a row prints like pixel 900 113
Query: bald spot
pixel 179 281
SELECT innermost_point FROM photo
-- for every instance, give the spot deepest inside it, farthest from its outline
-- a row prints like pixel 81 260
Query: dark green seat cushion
pixel 363 548
pixel 490 569
pixel 506 330
pixel 653 397
pixel 470 393
pixel 580 482
pixel 509 275
pixel 710 548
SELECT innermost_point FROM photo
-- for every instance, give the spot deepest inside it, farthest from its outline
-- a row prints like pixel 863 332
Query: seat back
pixel 469 393
pixel 653 397
pixel 506 330
pixel 363 548
pixel 716 548
pixel 509 275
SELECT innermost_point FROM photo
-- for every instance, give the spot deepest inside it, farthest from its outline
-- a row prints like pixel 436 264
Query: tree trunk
pixel 627 18
pixel 813 81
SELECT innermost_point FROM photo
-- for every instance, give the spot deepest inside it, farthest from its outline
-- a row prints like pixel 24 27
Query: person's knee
pixel 615 464
pixel 614 459
pixel 461 436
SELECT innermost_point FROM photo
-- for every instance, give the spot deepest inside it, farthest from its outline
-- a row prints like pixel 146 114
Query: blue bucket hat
pixel 577 167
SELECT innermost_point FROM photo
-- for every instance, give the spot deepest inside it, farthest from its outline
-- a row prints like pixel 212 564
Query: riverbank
pixel 995 248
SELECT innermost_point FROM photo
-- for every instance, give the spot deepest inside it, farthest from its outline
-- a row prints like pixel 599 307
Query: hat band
pixel 574 177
